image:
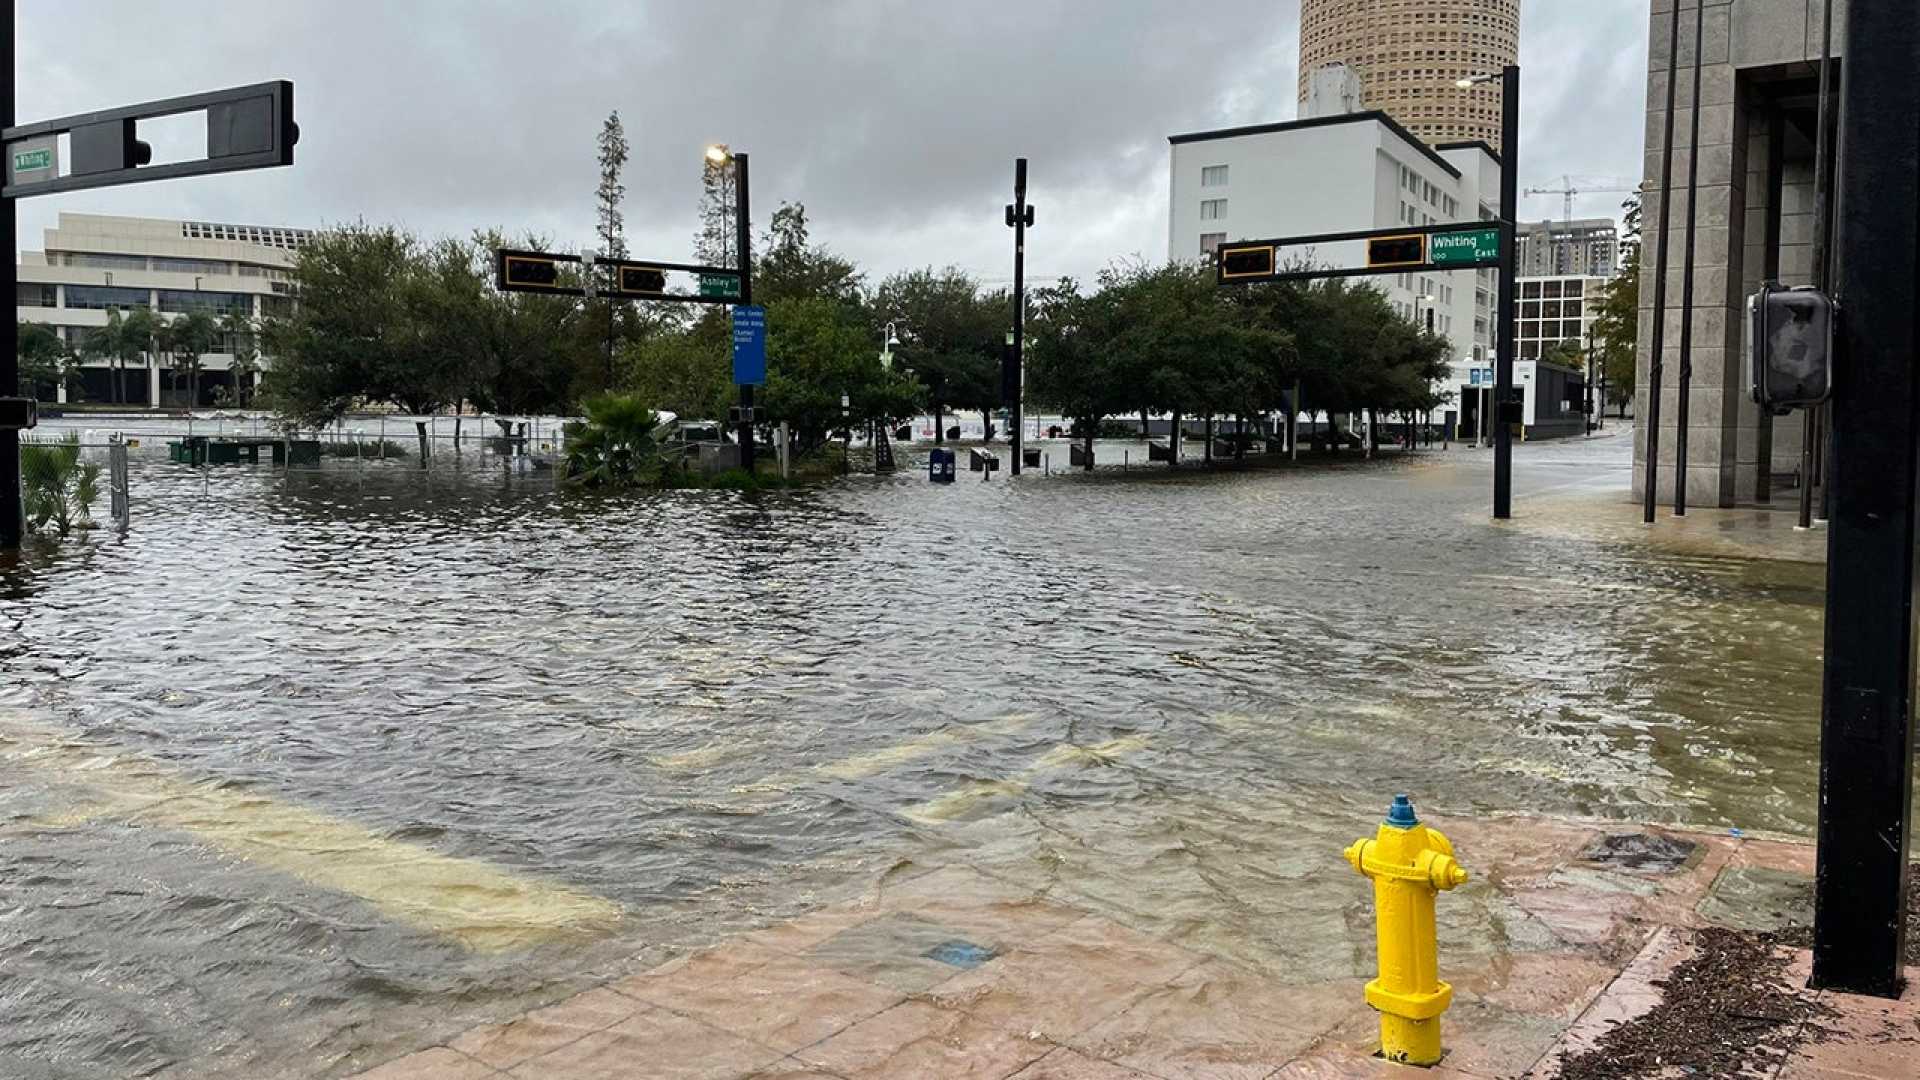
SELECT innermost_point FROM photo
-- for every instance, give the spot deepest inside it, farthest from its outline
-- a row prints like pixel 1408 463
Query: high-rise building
pixel 1409 53
pixel 1587 247
pixel 93 264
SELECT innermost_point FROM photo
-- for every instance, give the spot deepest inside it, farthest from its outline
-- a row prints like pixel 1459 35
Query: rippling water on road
pixel 310 767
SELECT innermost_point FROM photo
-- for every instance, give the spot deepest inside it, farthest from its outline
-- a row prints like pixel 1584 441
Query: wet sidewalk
pixel 1607 955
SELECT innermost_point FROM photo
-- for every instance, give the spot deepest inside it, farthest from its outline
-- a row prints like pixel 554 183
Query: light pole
pixel 888 339
pixel 1019 218
pixel 719 154
pixel 1509 77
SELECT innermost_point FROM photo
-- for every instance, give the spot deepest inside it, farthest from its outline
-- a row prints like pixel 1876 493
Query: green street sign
pixel 27 160
pixel 719 285
pixel 1464 248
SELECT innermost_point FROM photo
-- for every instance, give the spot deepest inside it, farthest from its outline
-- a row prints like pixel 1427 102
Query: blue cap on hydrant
pixel 1400 814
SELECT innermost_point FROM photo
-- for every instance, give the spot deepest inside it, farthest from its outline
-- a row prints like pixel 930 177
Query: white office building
pixel 90 264
pixel 1347 172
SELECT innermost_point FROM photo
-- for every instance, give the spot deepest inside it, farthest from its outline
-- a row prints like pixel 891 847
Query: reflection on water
pixel 262 734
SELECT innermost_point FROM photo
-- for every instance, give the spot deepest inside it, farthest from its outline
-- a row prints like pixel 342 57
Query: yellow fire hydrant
pixel 1409 863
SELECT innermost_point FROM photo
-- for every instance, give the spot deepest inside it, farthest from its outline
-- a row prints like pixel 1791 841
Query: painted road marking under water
pixel 957 804
pixel 875 762
pixel 483 906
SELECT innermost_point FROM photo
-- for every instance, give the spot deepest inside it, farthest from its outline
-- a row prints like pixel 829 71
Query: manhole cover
pixel 1639 851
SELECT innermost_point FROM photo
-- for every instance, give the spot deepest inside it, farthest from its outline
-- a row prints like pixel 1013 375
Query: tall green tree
pixel 715 243
pixel 128 335
pixel 185 340
pixel 1616 329
pixel 43 358
pixel 817 352
pixel 243 344
pixel 350 338
pixel 951 336
pixel 612 149
pixel 790 266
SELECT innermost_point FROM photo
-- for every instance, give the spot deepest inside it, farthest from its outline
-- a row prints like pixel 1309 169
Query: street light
pixel 1509 79
pixel 719 154
pixel 888 339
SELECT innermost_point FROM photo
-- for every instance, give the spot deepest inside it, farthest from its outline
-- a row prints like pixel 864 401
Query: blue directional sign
pixel 749 345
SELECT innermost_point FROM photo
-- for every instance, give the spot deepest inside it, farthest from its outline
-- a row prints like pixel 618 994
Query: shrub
pixel 57 488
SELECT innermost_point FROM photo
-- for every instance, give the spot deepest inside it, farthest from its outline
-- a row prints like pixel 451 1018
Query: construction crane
pixel 1578 185
pixel 1583 185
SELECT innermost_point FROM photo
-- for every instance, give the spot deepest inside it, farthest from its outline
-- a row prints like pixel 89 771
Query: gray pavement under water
pixel 310 762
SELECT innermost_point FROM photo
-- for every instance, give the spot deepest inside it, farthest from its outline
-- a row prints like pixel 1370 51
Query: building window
pixel 191 266
pixel 1211 241
pixel 1213 209
pixel 1213 176
pixel 99 298
pixel 214 303
pixel 105 262
pixel 38 296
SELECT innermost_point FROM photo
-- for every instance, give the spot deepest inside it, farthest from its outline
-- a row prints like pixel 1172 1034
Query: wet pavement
pixel 949 972
pixel 313 769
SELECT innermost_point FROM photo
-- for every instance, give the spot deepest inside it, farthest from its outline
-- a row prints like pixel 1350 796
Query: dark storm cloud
pixel 896 122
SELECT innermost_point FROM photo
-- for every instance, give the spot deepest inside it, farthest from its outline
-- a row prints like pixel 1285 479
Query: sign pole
pixel 1019 300
pixel 1866 703
pixel 1503 340
pixel 12 523
pixel 743 223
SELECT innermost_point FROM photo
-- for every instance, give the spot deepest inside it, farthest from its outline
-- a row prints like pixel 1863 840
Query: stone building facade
pixel 1755 220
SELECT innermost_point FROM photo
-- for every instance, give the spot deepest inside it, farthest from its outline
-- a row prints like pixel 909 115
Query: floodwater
pixel 312 768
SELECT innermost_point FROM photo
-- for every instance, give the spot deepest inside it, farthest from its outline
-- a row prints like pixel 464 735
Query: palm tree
pixel 125 336
pixel 139 328
pixel 244 339
pixel 188 338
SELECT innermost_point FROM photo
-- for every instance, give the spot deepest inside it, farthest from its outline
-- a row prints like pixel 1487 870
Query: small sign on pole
pixel 749 345
pixel 1464 248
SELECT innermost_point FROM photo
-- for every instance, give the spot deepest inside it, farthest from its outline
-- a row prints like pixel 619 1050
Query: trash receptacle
pixel 940 466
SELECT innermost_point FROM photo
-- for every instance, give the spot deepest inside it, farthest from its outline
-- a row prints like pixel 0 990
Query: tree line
pixel 383 316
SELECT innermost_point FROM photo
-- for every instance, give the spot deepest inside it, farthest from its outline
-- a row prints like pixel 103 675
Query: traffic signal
pixel 529 272
pixel 641 281
pixel 1239 263
pixel 1408 250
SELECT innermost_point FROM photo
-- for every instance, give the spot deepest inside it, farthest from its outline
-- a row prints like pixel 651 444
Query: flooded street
pixel 310 765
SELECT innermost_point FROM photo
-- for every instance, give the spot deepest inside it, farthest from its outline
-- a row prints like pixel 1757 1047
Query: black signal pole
pixel 743 223
pixel 1503 343
pixel 1866 705
pixel 1683 398
pixel 1019 215
pixel 1656 362
pixel 12 524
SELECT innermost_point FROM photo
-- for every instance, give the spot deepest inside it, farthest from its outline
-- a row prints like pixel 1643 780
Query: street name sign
pixel 720 285
pixel 1476 247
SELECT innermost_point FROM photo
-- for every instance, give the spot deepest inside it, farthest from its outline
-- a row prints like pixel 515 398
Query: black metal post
pixel 1822 243
pixel 1019 301
pixel 12 523
pixel 1770 271
pixel 743 224
pixel 1656 367
pixel 613 280
pixel 1682 402
pixel 1866 712
pixel 1509 236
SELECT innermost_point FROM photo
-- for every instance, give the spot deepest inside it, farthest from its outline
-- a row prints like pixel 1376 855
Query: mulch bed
pixel 1727 1007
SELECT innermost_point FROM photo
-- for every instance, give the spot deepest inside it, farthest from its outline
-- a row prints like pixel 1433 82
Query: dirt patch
pixel 1727 1008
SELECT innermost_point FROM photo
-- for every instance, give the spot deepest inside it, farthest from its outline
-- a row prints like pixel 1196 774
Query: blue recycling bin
pixel 940 464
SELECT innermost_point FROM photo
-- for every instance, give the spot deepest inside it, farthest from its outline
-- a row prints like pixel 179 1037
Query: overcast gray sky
pixel 895 121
